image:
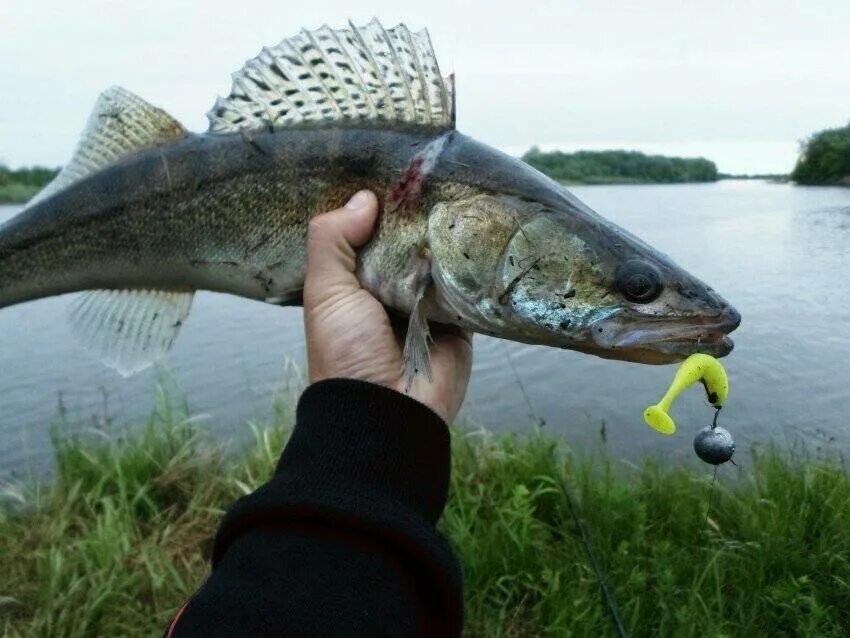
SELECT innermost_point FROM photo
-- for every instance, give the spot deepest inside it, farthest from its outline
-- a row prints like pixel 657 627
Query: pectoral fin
pixel 417 357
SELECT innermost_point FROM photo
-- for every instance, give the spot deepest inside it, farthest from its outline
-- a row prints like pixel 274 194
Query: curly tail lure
pixel 712 444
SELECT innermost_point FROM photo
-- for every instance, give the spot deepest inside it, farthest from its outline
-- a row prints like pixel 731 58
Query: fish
pixel 147 213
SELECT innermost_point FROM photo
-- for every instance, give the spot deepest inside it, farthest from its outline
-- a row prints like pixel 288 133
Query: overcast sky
pixel 738 82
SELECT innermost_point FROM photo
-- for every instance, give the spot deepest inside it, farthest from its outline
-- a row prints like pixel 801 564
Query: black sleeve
pixel 341 541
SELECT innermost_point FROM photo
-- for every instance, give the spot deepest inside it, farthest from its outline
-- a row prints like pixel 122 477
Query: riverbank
pixel 120 536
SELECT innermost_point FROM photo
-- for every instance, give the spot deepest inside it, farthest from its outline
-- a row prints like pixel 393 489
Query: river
pixel 779 253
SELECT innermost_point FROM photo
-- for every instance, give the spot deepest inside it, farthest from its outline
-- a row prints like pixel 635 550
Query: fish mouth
pixel 663 340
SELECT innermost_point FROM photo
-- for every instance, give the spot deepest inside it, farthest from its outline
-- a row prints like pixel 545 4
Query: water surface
pixel 780 254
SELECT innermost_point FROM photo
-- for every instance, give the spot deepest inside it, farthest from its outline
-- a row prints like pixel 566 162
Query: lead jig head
pixel 714 444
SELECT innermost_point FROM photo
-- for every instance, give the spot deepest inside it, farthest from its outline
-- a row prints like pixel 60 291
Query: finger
pixel 331 242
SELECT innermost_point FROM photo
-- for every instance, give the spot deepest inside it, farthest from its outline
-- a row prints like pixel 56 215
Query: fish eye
pixel 638 281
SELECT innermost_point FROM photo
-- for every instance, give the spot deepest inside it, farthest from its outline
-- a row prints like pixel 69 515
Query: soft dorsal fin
pixel 352 75
pixel 120 124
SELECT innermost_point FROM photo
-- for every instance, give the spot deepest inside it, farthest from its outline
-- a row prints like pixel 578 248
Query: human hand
pixel 349 333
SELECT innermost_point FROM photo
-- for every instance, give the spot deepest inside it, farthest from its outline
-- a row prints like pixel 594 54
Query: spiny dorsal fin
pixel 120 124
pixel 129 329
pixel 353 75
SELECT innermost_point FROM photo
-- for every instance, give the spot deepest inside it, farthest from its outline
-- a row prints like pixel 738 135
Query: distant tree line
pixel 20 184
pixel 825 158
pixel 620 167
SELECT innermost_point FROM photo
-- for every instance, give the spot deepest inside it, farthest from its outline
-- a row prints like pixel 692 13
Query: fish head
pixel 551 271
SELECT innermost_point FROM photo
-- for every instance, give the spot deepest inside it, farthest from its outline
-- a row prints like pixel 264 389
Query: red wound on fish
pixel 405 192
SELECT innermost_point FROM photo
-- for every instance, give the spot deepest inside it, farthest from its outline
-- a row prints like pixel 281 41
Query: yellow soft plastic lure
pixel 697 367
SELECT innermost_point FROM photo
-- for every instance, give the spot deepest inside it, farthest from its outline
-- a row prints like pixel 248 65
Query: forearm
pixel 341 540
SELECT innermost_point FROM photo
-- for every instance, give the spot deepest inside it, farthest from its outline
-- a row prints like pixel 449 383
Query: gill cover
pixel 509 266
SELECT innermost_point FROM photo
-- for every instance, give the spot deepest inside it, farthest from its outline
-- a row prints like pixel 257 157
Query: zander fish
pixel 146 213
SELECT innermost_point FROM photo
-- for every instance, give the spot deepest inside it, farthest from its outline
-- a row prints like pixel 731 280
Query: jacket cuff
pixel 367 438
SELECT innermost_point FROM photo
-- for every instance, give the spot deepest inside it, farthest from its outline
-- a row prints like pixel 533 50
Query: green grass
pixel 115 542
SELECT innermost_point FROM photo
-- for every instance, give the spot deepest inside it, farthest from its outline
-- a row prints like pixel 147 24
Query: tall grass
pixel 120 537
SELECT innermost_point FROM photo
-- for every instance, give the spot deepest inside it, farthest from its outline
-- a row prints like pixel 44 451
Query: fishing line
pixel 531 412
pixel 728 448
pixel 710 495
pixel 714 476
pixel 577 516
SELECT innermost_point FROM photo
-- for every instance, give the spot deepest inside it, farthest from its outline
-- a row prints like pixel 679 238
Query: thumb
pixel 331 242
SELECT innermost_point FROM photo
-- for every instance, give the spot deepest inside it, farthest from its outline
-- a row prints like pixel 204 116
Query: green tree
pixel 623 167
pixel 825 158
pixel 19 185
